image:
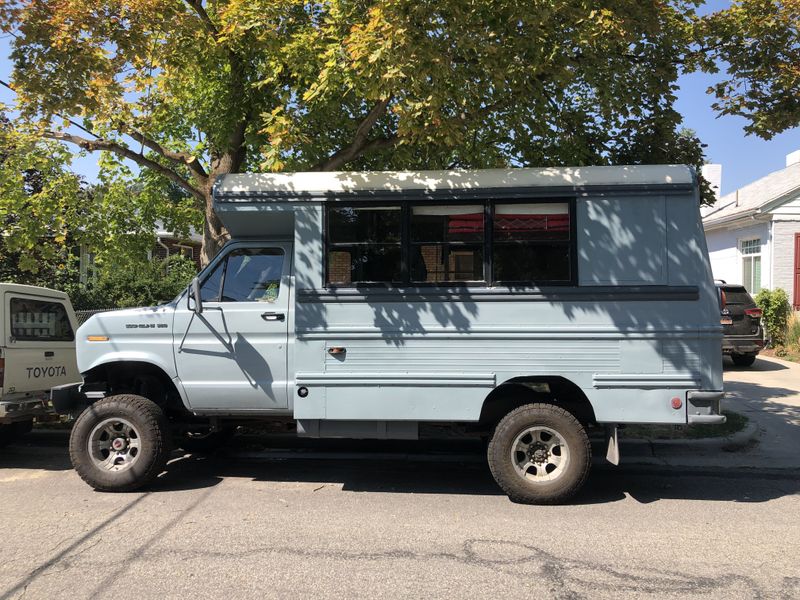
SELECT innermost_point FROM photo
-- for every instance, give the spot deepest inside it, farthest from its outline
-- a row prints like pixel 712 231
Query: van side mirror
pixel 198 300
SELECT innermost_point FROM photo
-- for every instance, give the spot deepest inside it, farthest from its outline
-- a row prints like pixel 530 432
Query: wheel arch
pixel 140 377
pixel 518 391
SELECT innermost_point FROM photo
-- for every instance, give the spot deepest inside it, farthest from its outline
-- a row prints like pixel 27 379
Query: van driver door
pixel 233 355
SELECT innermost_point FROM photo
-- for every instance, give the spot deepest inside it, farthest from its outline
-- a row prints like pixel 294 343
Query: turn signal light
pixel 97 338
pixel 753 312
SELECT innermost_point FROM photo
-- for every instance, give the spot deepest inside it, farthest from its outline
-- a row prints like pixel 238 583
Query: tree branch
pixel 197 6
pixel 184 159
pixel 140 159
pixel 361 142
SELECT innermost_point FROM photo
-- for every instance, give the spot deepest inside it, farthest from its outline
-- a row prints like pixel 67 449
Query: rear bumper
pixel 704 407
pixel 13 411
pixel 742 344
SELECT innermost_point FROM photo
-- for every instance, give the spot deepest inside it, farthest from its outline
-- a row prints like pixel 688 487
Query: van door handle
pixel 49 354
pixel 273 316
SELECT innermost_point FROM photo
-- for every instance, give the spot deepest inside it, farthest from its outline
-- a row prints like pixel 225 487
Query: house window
pixel 186 251
pixel 751 264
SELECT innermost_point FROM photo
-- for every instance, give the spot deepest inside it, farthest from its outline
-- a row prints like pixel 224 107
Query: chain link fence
pixel 83 315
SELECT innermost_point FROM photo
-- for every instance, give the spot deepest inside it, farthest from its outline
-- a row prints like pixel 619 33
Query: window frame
pixel 221 262
pixel 749 257
pixel 12 298
pixel 488 243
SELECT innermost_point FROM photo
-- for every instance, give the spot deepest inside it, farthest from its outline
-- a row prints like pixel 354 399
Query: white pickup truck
pixel 37 352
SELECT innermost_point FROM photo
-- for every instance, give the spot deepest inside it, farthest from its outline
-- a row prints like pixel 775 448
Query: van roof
pixel 317 186
pixel 33 290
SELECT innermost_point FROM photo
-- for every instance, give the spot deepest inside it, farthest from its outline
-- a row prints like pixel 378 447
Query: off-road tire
pixel 501 463
pixel 743 360
pixel 153 431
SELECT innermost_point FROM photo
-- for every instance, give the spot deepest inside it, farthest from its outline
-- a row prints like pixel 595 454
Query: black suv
pixel 743 337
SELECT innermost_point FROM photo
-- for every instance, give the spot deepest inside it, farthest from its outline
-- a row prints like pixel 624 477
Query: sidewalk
pixel 768 394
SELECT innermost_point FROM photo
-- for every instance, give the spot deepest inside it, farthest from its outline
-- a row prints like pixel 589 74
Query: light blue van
pixel 527 304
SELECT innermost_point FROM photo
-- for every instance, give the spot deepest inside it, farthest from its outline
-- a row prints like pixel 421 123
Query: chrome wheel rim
pixel 539 454
pixel 114 445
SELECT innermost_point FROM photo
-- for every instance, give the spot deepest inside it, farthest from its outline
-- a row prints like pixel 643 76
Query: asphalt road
pixel 374 523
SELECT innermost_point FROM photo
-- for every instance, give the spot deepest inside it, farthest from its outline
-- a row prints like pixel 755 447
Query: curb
pixel 655 447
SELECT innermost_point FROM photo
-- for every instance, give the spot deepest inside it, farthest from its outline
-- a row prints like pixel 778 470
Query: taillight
pixel 2 371
pixel 723 299
pixel 753 312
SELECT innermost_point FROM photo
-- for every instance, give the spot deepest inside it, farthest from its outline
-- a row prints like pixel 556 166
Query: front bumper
pixel 704 407
pixel 13 411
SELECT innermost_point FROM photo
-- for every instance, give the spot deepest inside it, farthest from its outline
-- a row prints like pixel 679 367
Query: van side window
pixel 40 321
pixel 489 243
pixel 446 243
pixel 531 242
pixel 252 275
pixel 364 244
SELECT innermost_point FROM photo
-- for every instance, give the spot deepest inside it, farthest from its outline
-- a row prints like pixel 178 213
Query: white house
pixel 753 233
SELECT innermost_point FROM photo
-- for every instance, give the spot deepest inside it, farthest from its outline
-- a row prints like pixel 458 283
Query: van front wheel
pixel 120 443
pixel 539 454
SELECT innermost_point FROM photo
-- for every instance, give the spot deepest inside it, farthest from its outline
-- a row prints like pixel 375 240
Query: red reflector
pixel 676 403
pixel 753 312
pixel 2 371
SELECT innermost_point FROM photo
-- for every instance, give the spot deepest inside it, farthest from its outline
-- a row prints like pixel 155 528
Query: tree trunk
pixel 214 233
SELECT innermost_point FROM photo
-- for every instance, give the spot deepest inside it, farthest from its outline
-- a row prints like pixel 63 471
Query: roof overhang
pixel 377 185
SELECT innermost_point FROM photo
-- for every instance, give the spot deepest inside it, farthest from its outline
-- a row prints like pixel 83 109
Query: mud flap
pixel 612 443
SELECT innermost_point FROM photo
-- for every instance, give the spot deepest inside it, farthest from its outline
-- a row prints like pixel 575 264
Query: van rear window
pixel 40 321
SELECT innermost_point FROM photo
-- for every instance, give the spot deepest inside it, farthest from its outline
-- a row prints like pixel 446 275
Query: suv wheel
pixel 743 360
pixel 539 454
pixel 120 443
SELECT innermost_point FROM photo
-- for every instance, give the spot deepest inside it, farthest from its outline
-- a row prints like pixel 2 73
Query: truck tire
pixel 743 360
pixel 120 443
pixel 539 454
pixel 13 432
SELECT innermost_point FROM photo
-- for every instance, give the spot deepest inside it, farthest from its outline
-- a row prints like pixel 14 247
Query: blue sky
pixel 743 158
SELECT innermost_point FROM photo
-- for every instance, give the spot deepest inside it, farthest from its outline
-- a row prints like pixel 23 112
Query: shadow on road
pixel 472 477
pixel 759 365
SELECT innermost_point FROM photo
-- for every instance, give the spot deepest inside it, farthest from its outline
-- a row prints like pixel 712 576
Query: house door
pixel 796 302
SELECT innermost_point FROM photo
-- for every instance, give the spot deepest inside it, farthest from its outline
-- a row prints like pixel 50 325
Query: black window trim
pixel 43 300
pixel 222 263
pixel 488 223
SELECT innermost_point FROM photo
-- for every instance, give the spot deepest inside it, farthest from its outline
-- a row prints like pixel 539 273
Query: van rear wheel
pixel 120 443
pixel 539 454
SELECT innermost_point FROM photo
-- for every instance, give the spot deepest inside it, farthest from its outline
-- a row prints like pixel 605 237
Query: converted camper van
pixel 529 304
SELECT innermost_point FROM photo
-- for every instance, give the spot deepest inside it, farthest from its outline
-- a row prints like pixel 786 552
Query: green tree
pixel 48 213
pixel 758 42
pixel 193 89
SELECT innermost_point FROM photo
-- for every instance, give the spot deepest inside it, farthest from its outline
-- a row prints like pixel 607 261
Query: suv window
pixel 40 321
pixel 246 275
pixel 736 295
